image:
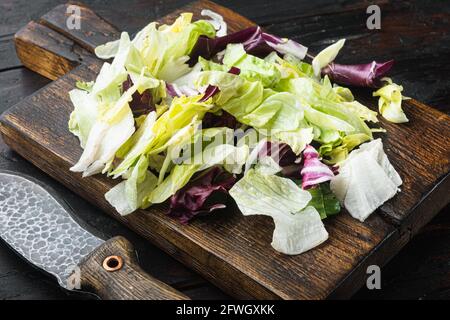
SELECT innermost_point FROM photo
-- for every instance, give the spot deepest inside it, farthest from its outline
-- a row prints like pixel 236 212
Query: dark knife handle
pixel 112 272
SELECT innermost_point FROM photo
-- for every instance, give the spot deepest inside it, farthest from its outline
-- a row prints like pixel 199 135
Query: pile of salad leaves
pixel 189 114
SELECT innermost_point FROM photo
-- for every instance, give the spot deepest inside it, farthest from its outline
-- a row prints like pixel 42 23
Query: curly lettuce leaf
pixel 162 50
pixel 335 153
pixel 112 128
pixel 325 109
pixel 253 105
pixel 390 102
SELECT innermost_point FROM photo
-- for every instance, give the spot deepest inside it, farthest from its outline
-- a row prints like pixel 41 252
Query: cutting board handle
pixel 112 272
pixel 62 39
pixel 80 24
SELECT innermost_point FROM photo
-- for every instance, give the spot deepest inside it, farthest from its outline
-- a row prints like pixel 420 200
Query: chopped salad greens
pixel 193 115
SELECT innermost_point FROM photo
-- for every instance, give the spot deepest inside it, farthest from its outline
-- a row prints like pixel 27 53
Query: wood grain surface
pixel 394 224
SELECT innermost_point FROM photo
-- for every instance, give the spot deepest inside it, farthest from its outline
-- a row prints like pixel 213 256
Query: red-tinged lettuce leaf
pixel 205 193
pixel 178 91
pixel 358 75
pixel 284 46
pixel 255 42
pixel 213 90
pixel 209 93
pixel 140 103
pixel 283 155
pixel 173 90
pixel 314 171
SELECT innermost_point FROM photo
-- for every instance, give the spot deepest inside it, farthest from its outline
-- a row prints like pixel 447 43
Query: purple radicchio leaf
pixel 282 154
pixel 234 70
pixel 140 103
pixel 262 43
pixel 172 90
pixel 255 42
pixel 213 90
pixel 209 92
pixel 314 171
pixel 208 47
pixel 178 91
pixel 211 120
pixel 284 46
pixel 204 194
pixel 358 75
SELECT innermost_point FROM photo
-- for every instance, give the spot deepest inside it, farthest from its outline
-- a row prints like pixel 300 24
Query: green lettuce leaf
pixel 297 139
pixel 176 144
pixel 326 108
pixel 285 110
pixel 153 137
pixel 163 50
pixel 181 174
pixel 82 119
pixel 361 110
pixel 289 66
pixel 86 86
pixel 237 96
pixel 113 126
pixel 127 196
pixel 324 201
pixel 390 102
pixel 326 56
pixel 336 152
pixel 178 178
pixel 251 68
pixel 253 105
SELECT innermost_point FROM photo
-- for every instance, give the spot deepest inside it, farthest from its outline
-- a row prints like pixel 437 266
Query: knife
pixel 41 229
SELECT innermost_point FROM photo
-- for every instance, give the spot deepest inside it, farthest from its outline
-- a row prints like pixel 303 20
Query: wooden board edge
pixel 26 50
pixel 428 206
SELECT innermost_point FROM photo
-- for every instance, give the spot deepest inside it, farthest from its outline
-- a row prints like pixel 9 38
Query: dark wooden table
pixel 415 33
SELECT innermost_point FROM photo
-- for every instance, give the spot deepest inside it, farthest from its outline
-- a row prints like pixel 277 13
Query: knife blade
pixel 40 228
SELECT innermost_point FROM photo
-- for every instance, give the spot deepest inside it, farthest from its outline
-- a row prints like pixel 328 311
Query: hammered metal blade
pixel 39 228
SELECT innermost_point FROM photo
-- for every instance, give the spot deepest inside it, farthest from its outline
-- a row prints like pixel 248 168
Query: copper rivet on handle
pixel 112 263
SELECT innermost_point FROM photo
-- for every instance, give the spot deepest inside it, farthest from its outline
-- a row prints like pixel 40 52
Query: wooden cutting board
pixel 230 250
